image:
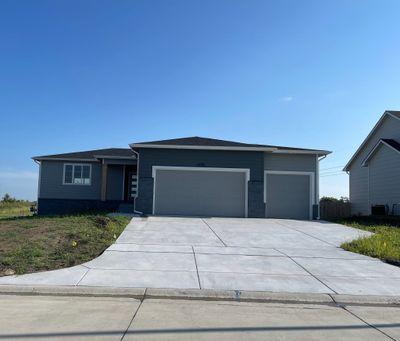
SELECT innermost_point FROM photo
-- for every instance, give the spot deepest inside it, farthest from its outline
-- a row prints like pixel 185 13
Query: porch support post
pixel 103 181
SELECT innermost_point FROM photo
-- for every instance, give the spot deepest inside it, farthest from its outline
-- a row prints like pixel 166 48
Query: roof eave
pixel 372 152
pixel 38 158
pixel 170 146
pixel 306 152
pixel 114 157
pixel 263 149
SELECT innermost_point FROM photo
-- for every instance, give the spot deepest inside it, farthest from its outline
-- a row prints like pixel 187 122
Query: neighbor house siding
pixel 359 194
pixel 384 177
pixel 201 158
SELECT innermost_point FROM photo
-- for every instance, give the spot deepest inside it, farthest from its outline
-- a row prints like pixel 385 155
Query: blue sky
pixel 78 75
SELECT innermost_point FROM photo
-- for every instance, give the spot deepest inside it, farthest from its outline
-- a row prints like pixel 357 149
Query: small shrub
pixel 101 221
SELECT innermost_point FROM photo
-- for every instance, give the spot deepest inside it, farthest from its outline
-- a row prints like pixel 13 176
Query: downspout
pixel 317 185
pixel 137 188
pixel 39 184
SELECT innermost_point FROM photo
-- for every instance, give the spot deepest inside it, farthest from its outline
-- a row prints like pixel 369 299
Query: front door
pixel 132 185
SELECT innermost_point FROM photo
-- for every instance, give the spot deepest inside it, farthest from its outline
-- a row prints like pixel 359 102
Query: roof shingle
pixel 90 154
pixel 199 141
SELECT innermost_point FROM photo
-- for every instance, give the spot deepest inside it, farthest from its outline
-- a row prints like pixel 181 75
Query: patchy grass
pixel 31 244
pixel 384 244
pixel 15 209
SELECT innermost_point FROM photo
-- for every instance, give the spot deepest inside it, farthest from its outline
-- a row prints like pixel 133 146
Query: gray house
pixel 191 176
pixel 375 168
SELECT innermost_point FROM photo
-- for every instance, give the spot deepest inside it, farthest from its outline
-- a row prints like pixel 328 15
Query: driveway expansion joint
pixel 88 269
pixel 214 232
pixel 197 269
pixel 308 272
pixel 307 234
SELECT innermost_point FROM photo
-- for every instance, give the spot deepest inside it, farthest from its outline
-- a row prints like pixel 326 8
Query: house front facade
pixel 192 176
pixel 375 167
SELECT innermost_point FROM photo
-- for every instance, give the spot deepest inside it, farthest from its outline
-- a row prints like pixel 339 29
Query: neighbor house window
pixel 77 174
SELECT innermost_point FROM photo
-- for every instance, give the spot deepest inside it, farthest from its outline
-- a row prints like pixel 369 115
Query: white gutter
pixel 318 160
pixel 39 184
pixel 63 159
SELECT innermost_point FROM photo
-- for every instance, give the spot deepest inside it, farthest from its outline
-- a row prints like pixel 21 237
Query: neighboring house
pixel 375 167
pixel 191 176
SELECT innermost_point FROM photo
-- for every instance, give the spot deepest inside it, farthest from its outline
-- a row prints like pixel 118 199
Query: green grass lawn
pixel 31 244
pixel 15 209
pixel 384 244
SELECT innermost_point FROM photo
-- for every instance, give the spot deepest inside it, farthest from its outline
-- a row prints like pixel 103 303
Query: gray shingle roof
pixel 90 154
pixel 209 142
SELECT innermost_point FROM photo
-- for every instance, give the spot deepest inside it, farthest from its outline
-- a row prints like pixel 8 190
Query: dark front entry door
pixel 132 185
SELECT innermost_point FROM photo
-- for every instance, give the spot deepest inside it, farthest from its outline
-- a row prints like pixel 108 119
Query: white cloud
pixel 286 99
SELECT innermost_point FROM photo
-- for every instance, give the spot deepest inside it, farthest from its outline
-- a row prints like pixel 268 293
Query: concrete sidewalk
pixel 105 318
pixel 271 255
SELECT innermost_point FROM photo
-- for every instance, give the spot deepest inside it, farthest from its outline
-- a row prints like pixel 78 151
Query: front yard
pixel 384 244
pixel 31 244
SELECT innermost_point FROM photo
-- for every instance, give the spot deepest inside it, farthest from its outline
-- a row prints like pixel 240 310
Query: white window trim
pixel 246 171
pixel 312 186
pixel 73 165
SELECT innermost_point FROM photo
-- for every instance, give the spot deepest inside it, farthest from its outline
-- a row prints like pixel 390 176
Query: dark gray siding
pixel 201 158
pixel 51 182
pixel 290 162
pixel 359 197
pixel 71 206
pixel 115 179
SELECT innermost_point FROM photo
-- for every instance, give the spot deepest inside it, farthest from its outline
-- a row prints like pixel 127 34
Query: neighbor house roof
pixel 197 142
pixel 387 142
pixel 90 155
pixel 392 113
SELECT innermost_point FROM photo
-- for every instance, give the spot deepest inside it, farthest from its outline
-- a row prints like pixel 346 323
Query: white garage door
pixel 289 195
pixel 200 191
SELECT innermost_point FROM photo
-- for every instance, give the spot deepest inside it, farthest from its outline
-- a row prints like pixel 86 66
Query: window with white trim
pixel 75 174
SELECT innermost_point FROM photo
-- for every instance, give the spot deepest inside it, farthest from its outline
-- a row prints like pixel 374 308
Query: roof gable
pixel 387 113
pixel 390 143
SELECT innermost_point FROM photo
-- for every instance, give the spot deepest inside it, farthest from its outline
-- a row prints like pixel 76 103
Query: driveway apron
pixel 230 254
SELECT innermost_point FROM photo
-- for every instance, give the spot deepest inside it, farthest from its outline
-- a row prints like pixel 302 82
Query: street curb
pixel 200 294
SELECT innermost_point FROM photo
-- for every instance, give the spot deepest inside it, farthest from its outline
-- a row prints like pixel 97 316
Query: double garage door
pixel 223 192
pixel 192 191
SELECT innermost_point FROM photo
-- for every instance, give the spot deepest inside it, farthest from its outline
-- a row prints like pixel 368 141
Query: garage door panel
pixel 202 193
pixel 288 196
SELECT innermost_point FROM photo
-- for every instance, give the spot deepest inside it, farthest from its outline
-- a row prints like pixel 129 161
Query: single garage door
pixel 288 195
pixel 200 191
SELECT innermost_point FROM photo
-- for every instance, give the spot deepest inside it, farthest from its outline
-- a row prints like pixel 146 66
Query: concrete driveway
pixel 233 254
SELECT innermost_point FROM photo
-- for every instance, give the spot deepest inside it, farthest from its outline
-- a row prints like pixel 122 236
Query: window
pixel 77 174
